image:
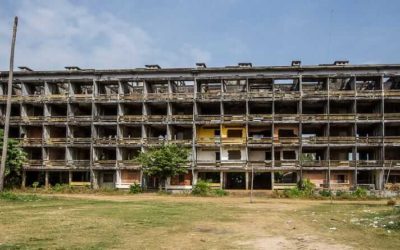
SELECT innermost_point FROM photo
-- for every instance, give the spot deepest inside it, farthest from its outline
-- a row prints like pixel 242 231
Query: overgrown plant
pixel 167 161
pixel 202 188
pixel 135 188
pixel 16 157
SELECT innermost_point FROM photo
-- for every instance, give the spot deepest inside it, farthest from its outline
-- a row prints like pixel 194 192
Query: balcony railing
pixel 104 163
pixel 342 117
pixel 209 118
pixel 130 140
pixel 208 141
pixel 55 163
pixel 56 97
pixel 33 164
pixel 315 94
pixel 78 163
pixel 369 117
pixel 181 96
pixel 233 140
pixel 392 139
pixel 314 140
pixel 29 119
pixel 234 95
pixel 180 141
pixel 286 163
pixel 287 117
pixel 106 140
pixel 392 93
pixel 181 118
pixel 131 97
pixel 56 141
pixel 368 139
pixel 286 140
pixel 392 116
pixel 342 94
pixel 342 139
pixel 81 97
pixel 82 140
pixel 157 96
pixel 369 94
pixel 260 95
pixel 31 98
pixel 234 118
pixel 30 141
pixel 131 118
pixel 106 118
pixel 154 140
pixel 106 97
pixel 260 163
pixel 259 118
pixel 155 118
pixel 209 95
pixel 282 95
pixel 128 164
pixel 259 140
pixel 56 118
pixel 80 118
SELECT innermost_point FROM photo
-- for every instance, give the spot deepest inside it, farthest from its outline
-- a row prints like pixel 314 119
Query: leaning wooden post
pixel 8 108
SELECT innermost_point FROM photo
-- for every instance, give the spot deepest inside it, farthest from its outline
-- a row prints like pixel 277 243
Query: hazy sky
pixel 178 33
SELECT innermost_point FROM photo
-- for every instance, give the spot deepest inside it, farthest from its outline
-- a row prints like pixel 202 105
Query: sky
pixel 103 34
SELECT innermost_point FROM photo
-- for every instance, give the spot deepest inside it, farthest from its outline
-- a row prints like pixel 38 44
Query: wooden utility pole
pixel 8 108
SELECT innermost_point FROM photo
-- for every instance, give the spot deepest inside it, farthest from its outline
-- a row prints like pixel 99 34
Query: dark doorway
pixel 262 181
pixel 35 176
pixel 235 181
pixel 58 178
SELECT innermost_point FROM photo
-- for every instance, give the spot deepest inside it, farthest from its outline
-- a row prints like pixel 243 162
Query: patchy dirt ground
pixel 150 221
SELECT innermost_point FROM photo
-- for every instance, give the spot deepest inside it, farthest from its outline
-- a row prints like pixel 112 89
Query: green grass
pixel 151 222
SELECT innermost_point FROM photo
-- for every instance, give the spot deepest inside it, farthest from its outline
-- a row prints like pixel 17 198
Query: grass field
pixel 150 221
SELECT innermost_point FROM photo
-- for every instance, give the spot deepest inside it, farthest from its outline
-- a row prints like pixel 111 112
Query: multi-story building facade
pixel 337 124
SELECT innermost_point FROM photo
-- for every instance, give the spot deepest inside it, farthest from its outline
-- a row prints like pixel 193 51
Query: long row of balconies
pixel 367 117
pixel 215 95
pixel 210 141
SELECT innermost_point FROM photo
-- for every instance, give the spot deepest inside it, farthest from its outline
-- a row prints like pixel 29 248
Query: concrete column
pixel 195 175
pixel 247 177
pixel 379 179
pixel 46 179
pixel 221 179
pixel 94 179
pixel 272 180
pixel 23 184
pixel 70 177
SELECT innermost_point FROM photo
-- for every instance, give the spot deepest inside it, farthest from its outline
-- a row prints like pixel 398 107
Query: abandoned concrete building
pixel 335 124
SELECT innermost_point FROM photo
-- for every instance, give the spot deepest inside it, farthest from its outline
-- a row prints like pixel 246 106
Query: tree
pixel 16 157
pixel 167 161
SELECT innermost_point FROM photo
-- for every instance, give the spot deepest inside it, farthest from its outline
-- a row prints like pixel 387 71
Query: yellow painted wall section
pixel 225 128
pixel 205 132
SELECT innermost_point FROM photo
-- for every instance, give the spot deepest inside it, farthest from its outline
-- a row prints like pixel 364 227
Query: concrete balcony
pixel 209 96
pixel 313 140
pixel 208 141
pixel 81 97
pixel 369 117
pixel 389 93
pixel 314 117
pixel 260 95
pixel 29 119
pixel 342 140
pixel 105 118
pixel 55 141
pixel 156 97
pixel 78 164
pixel 131 118
pixel 233 140
pixel 80 141
pixel 30 142
pixel 369 94
pixel 154 141
pixel 133 97
pixel 392 116
pixel 286 95
pixel 259 164
pixel 290 164
pixel 186 142
pixel 341 164
pixel 56 119
pixel 31 98
pixel 208 118
pixel 314 164
pixel 233 164
pixel 259 118
pixel 155 118
pixel 369 163
pixel 342 117
pixel 234 118
pixel 130 141
pixel 128 164
pixel 234 96
pixel 80 118
pixel 105 164
pixel 106 97
pixel 56 98
pixel 259 140
pixel 106 141
pixel 181 97
pixel 33 164
pixel 59 164
pixel 392 140
pixel 315 94
pixel 207 164
pixel 180 118
pixel 343 94
pixel 287 117
pixel 369 140
pixel 292 141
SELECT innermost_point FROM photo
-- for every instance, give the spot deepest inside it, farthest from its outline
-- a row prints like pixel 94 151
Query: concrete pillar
pixel 221 179
pixel 272 180
pixel 69 177
pixel 46 179
pixel 94 179
pixel 195 176
pixel 23 183
pixel 247 179
pixel 379 179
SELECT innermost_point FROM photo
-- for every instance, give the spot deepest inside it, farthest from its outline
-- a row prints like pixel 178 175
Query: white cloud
pixel 53 34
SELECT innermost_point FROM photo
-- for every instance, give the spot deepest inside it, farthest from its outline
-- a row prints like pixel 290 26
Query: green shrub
pixel 202 188
pixel 61 188
pixel 9 196
pixel 307 187
pixel 360 193
pixel 325 193
pixel 219 192
pixel 135 188
pixel 293 193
